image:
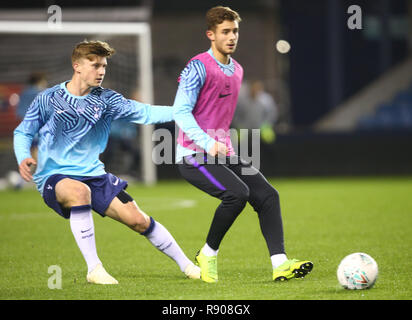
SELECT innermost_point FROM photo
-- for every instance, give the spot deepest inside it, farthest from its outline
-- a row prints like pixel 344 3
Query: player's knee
pixel 243 194
pixel 270 196
pixel 273 193
pixel 71 192
pixel 238 197
pixel 81 192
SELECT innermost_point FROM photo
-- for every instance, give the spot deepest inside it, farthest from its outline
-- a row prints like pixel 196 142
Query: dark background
pixel 328 64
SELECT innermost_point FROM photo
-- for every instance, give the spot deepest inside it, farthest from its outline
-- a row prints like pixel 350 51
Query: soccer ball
pixel 357 271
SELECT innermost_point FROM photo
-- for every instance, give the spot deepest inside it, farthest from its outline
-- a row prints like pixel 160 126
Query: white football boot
pixel 100 276
pixel 192 271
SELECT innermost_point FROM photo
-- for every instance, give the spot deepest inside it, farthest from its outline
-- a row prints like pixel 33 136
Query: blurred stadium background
pixel 344 96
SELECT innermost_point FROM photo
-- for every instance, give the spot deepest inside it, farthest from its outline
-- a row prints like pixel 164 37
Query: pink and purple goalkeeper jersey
pixel 205 103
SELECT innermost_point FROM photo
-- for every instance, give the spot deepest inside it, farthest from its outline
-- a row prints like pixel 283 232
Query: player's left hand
pixel 218 149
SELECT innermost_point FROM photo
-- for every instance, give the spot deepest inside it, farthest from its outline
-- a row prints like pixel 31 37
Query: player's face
pixel 92 72
pixel 225 37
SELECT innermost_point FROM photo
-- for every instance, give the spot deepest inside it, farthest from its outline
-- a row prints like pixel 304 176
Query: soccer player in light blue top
pixel 73 122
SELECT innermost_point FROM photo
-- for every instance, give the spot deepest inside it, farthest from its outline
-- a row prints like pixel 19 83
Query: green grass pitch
pixel 324 220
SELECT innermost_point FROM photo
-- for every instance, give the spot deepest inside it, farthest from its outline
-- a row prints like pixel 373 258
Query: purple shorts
pixel 103 190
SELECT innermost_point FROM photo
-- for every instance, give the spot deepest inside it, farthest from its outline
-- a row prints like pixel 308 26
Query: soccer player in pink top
pixel 203 110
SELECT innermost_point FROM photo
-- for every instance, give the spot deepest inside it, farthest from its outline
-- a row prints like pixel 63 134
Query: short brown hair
pixel 218 14
pixel 91 49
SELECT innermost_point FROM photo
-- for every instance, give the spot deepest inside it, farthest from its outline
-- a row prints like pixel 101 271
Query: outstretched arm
pixel 149 114
pixel 138 112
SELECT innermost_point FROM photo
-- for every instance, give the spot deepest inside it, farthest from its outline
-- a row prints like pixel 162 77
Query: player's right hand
pixel 27 168
pixel 218 149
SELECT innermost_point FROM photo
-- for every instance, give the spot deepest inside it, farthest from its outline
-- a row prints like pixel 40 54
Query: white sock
pixel 161 238
pixel 208 251
pixel 82 226
pixel 278 259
